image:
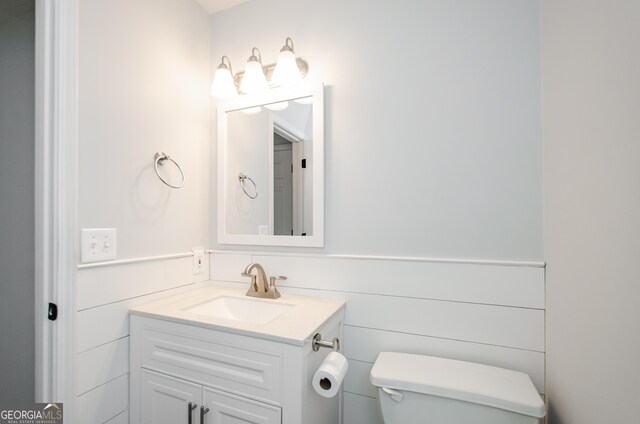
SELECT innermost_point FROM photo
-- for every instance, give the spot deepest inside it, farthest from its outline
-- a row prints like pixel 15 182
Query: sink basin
pixel 240 309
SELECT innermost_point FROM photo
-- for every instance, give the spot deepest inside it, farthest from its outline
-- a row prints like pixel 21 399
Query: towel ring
pixel 243 178
pixel 160 158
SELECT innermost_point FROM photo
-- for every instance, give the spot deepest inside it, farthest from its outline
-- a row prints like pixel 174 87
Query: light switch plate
pixel 97 244
pixel 198 261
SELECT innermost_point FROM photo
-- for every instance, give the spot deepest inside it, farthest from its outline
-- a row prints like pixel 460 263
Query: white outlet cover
pixel 97 244
pixel 198 261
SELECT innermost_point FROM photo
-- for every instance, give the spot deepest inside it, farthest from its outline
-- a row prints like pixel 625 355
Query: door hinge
pixel 52 313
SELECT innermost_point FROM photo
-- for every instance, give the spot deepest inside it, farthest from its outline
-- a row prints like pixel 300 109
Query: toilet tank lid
pixel 481 384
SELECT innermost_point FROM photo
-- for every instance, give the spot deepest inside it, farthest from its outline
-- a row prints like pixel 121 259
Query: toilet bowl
pixel 422 389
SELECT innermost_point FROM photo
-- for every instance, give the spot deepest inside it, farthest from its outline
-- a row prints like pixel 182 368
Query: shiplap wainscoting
pixel 486 313
pixel 104 294
pixel 489 313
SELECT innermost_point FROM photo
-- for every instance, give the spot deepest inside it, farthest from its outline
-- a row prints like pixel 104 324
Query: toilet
pixel 418 389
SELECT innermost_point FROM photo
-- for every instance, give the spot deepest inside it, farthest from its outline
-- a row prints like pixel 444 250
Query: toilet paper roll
pixel 329 375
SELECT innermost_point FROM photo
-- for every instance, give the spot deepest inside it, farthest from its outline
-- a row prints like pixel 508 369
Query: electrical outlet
pixel 198 261
pixel 98 244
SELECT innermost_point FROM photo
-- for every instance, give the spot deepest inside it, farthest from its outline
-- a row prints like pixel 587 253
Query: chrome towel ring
pixel 243 178
pixel 160 158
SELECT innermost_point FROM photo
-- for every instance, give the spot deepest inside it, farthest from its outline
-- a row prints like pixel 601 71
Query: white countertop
pixel 295 326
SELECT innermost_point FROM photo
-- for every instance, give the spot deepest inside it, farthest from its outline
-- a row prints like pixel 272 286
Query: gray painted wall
pixel 591 105
pixel 432 120
pixel 144 89
pixel 17 48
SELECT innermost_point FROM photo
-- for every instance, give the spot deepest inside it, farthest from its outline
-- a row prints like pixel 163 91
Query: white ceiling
pixel 213 6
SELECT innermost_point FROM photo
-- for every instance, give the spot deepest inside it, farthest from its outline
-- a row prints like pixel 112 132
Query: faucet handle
pixel 272 285
pixel 272 280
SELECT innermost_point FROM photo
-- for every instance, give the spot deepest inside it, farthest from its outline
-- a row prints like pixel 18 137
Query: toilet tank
pixel 426 389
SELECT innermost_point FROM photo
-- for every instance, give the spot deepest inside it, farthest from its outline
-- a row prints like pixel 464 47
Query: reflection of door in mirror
pixel 283 204
pixel 292 154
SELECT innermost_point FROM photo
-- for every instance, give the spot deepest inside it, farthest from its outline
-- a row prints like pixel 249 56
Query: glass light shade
pixel 277 106
pixel 286 71
pixel 223 86
pixel 253 80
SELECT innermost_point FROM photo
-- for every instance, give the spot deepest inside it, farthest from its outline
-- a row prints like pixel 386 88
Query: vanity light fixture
pixel 256 78
pixel 223 86
pixel 253 80
pixel 286 71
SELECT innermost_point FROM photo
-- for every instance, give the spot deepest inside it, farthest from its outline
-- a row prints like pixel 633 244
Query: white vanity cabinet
pixel 165 399
pixel 237 376
pixel 170 400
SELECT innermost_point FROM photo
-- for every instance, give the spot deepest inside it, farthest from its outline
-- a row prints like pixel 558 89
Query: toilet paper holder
pixel 317 343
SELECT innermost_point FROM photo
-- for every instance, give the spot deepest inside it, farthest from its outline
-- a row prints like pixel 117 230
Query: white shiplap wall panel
pixel 364 344
pixel 105 294
pixel 361 410
pixel 489 284
pixel 228 267
pixel 357 379
pixel 103 403
pixel 100 325
pixel 103 285
pixel 473 325
pixel 497 325
pixel 485 313
pixel 283 290
pixel 112 319
pixel 121 418
pixel 101 364
pixel 179 272
pixel 108 284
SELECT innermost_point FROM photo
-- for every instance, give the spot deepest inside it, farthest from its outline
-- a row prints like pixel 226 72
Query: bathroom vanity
pixel 213 355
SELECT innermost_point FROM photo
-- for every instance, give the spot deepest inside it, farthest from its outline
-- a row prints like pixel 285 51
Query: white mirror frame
pixel 273 96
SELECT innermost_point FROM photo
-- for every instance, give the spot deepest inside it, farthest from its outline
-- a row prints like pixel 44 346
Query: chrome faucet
pixel 259 286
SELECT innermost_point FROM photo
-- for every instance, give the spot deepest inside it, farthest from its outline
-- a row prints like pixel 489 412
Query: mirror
pixel 271 168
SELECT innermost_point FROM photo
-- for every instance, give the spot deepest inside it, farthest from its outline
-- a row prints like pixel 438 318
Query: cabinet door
pixel 165 400
pixel 225 408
